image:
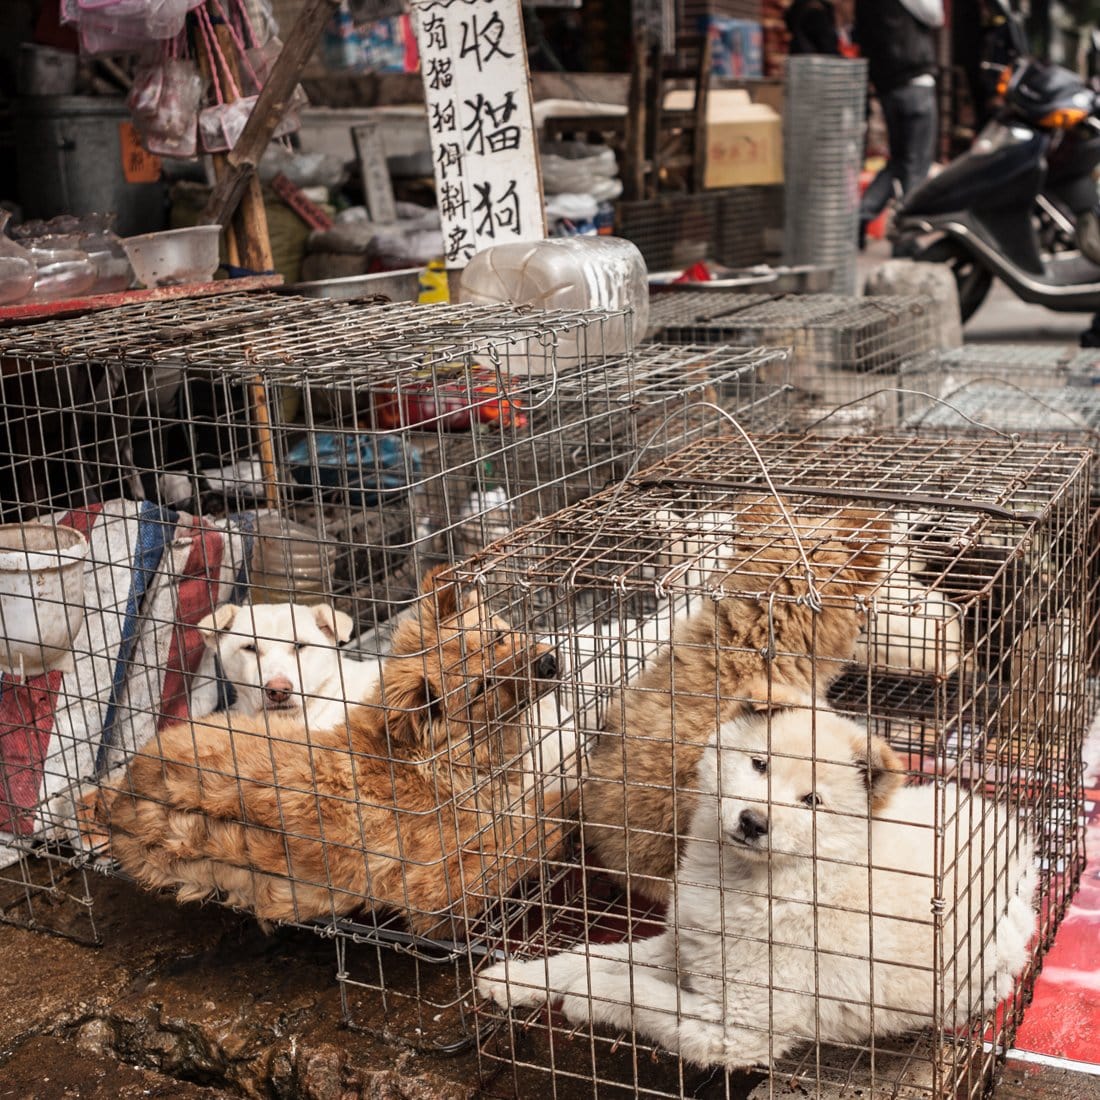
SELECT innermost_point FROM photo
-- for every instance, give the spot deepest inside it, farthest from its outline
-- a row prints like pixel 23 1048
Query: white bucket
pixel 41 596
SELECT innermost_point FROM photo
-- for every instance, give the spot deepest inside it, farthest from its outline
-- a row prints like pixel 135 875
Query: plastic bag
pixel 105 21
pixel 220 126
pixel 164 102
pixel 260 60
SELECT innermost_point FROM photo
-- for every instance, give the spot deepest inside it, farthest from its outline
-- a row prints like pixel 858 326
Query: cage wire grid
pixel 1034 391
pixel 843 348
pixel 258 452
pixel 970 666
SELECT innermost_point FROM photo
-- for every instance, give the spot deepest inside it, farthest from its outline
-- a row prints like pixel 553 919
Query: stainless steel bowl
pixel 398 286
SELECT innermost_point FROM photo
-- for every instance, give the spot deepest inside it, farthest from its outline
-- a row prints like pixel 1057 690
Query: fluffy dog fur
pixel 415 804
pixel 284 658
pixel 726 658
pixel 915 629
pixel 778 932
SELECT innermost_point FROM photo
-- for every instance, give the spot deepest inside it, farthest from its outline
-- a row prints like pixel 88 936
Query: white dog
pixel 283 657
pixel 779 934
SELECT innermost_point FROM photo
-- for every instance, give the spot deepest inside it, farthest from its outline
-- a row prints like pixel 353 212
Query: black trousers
pixel 910 113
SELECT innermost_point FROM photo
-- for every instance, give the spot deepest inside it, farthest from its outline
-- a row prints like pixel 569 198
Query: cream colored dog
pixel 803 898
pixel 284 658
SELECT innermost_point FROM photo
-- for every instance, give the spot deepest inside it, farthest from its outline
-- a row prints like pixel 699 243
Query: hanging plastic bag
pixel 103 22
pixel 220 124
pixel 164 103
pixel 261 59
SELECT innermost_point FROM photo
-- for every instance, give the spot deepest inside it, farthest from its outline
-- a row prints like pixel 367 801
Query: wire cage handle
pixel 1013 436
pixel 812 597
pixel 1076 421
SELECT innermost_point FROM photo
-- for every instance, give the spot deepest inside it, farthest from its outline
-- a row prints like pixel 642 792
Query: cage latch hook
pixel 768 652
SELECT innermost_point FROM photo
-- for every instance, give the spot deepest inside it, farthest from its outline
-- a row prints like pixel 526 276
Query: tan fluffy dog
pixel 764 644
pixel 415 804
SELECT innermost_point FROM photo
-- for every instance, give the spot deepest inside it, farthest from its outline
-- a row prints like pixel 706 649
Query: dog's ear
pixel 412 704
pixel 335 625
pixel 881 767
pixel 214 624
pixel 441 591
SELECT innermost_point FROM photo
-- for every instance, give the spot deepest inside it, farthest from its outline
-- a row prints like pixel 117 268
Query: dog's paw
pixel 514 984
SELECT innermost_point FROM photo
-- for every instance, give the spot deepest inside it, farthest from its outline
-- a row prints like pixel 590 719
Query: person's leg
pixel 913 146
pixel 915 108
pixel 881 189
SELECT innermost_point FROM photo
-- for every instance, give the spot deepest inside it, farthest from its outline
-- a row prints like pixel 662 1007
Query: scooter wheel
pixel 972 279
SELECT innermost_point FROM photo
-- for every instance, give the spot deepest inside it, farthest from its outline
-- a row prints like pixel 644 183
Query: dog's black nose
pixel 753 824
pixel 546 667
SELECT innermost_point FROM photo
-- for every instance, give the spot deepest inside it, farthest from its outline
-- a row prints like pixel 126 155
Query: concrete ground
pixel 194 1002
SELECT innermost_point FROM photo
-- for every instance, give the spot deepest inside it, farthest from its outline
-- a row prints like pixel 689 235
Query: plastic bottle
pixel 574 273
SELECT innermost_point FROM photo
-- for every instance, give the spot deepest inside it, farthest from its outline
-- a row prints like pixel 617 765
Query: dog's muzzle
pixel 279 694
pixel 752 826
pixel 546 667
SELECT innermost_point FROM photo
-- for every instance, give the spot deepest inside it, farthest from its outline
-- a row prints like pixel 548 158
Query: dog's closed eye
pixel 248 647
pixel 760 764
pixel 300 645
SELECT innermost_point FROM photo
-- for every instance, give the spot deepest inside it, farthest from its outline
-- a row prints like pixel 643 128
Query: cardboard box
pixel 744 139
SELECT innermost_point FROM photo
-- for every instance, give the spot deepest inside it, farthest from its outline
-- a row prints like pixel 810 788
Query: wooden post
pixel 248 245
pixel 250 220
pixel 206 63
pixel 702 96
pixel 634 139
pixel 271 105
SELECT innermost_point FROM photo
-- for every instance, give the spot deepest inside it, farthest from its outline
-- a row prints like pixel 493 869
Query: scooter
pixel 1035 157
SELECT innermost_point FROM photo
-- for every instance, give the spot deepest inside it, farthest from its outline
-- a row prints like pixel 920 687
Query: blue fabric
pixel 246 525
pixel 375 465
pixel 156 528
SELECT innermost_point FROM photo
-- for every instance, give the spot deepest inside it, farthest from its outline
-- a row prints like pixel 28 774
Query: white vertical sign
pixel 473 62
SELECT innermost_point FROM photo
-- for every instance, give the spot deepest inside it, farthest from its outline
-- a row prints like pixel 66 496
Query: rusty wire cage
pixel 793 623
pixel 208 497
pixel 843 348
pixel 1033 391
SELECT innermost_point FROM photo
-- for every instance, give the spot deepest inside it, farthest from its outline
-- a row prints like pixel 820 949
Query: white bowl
pixel 174 257
pixel 41 596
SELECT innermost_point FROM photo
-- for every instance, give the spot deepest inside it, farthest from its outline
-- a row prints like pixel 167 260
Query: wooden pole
pixel 250 219
pixel 248 244
pixel 271 105
pixel 217 159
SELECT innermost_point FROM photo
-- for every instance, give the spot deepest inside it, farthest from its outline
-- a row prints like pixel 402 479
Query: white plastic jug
pixel 571 273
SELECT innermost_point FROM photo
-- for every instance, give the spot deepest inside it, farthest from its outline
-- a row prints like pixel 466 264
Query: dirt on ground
pixel 190 1002
pixel 197 1001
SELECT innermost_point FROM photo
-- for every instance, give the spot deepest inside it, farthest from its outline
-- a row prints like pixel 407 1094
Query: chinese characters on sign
pixel 474 67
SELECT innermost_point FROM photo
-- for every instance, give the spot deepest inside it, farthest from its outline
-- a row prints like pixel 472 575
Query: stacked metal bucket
pixel 822 152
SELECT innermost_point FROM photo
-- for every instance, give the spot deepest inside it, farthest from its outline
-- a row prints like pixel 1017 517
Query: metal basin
pixel 398 286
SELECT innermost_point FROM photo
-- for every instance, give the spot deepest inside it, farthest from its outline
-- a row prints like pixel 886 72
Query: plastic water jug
pixel 569 273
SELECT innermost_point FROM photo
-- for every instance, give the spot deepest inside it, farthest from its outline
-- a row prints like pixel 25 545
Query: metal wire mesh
pixel 237 501
pixel 1036 391
pixel 822 154
pixel 674 231
pixel 931 590
pixel 843 348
